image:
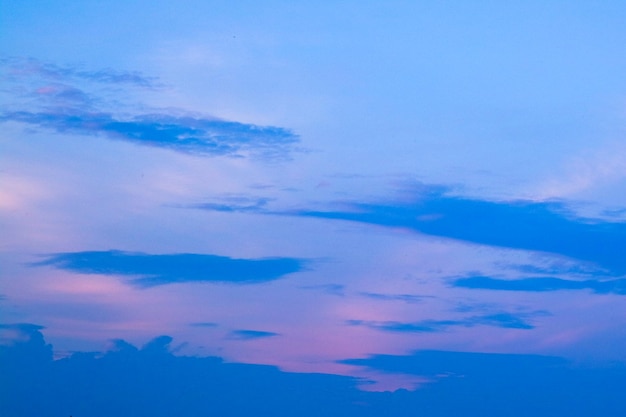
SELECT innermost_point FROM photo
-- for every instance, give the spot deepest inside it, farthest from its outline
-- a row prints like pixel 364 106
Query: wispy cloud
pixel 69 99
pixel 31 67
pixel 238 204
pixel 63 95
pixel 504 320
pixel 192 135
pixel 146 270
pixel 407 298
pixel 542 284
pixel 333 289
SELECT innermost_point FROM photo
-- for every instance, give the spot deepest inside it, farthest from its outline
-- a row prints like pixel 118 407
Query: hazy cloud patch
pixel 333 289
pixel 19 67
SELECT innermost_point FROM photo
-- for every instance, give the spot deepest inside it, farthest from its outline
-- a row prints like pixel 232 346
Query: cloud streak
pixel 504 320
pixel 30 67
pixel 191 135
pixel 542 284
pixel 545 227
pixel 145 270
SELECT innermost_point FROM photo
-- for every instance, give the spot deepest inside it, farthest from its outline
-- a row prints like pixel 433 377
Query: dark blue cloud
pixel 145 270
pixel 251 334
pixel 20 331
pixel 152 381
pixel 558 268
pixel 32 353
pixel 542 284
pixel 434 363
pixel 192 135
pixel 545 227
pixel 489 384
pixel 501 319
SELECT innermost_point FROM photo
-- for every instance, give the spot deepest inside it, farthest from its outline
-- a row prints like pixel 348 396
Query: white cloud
pixel 585 172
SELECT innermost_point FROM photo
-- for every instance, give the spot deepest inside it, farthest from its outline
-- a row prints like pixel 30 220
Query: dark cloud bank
pixel 151 381
pixel 148 270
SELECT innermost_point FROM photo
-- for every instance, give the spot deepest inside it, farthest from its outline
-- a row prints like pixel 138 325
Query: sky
pixel 317 208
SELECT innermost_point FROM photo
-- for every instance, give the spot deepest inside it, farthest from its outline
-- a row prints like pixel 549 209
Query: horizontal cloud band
pixel 504 320
pixel 518 225
pixel 148 270
pixel 616 286
pixel 202 136
pixel 157 382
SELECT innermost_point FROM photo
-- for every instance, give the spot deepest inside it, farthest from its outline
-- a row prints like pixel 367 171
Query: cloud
pixel 145 270
pixel 18 331
pixel 22 346
pixel 69 100
pixel 587 170
pixel 542 284
pixel 407 298
pixel 203 324
pixel 556 268
pixel 333 289
pixel 63 95
pixel 545 227
pixel 433 363
pixel 191 135
pixel 239 204
pixel 251 334
pixel 502 319
pixel 153 381
pixel 30 67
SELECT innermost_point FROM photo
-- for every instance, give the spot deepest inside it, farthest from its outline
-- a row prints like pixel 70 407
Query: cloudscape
pixel 312 208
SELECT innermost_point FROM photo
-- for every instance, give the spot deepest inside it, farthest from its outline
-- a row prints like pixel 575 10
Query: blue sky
pixel 397 203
